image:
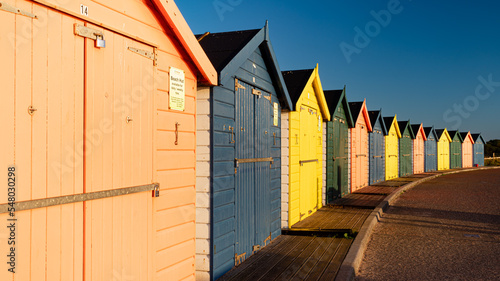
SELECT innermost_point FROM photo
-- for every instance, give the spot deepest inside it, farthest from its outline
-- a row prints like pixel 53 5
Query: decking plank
pixel 334 264
pixel 320 267
pixel 254 263
pixel 289 264
pixel 310 263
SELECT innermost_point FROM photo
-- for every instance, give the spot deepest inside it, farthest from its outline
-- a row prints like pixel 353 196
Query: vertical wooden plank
pixel 68 97
pixel 55 147
pixel 78 227
pixel 7 142
pixel 119 203
pixel 105 93
pixel 41 165
pixel 137 148
pixel 89 86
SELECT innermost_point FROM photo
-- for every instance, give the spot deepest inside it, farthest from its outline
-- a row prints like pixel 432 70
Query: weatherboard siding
pixel 323 192
pixel 203 184
pixel 285 167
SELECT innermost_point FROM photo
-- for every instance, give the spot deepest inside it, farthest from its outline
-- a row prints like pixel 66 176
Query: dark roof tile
pixel 296 81
pixel 222 47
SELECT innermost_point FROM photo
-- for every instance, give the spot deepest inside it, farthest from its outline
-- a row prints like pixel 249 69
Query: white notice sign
pixel 275 115
pixel 177 89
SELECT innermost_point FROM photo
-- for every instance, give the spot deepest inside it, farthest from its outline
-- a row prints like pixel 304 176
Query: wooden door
pixel 376 156
pixel 363 156
pixel 42 67
pixel 263 142
pixel 118 153
pixel 253 176
pixel 332 135
pixel 443 154
pixel 392 152
pixel 467 154
pixel 308 161
pixel 245 174
pixel 430 154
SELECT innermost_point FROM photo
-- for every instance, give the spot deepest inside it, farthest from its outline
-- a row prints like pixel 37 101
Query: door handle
pixel 232 134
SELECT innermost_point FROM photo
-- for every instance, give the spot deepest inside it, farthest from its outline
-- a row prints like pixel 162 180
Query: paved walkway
pixel 445 229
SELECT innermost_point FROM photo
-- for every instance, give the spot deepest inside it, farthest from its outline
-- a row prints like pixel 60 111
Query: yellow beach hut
pixel 302 139
pixel 443 149
pixel 391 147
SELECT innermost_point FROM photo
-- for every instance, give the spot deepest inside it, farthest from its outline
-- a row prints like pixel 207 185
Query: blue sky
pixel 436 62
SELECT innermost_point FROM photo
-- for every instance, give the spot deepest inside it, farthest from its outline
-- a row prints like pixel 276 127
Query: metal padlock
pixel 100 42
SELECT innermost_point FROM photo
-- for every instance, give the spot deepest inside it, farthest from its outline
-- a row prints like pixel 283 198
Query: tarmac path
pixel 445 229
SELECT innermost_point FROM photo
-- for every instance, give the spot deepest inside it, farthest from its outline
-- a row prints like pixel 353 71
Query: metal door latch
pixel 31 110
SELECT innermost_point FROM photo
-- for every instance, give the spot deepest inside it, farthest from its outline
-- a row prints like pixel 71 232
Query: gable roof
pixel 173 17
pixel 454 134
pixel 222 47
pixel 358 108
pixel 392 121
pixel 430 130
pixel 336 97
pixel 403 125
pixel 416 128
pixel 466 135
pixel 377 115
pixel 297 80
pixel 440 133
pixel 229 50
pixel 475 137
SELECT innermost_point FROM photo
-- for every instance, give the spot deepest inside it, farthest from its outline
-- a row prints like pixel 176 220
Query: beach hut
pixel 455 149
pixel 430 149
pixel 377 147
pixel 419 139
pixel 478 153
pixel 337 144
pixel 405 149
pixel 467 149
pixel 303 145
pixel 443 149
pixel 359 145
pixel 239 151
pixel 98 118
pixel 392 137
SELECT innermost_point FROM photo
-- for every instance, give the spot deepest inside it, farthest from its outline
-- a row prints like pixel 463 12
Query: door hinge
pixel 268 98
pixel 237 85
pixel 268 239
pixel 8 8
pixel 147 54
pixel 238 259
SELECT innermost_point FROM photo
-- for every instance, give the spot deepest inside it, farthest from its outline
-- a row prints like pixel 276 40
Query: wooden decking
pixel 335 219
pixel 291 257
pixel 314 249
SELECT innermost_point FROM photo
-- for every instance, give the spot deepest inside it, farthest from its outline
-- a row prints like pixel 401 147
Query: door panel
pixel 43 70
pixel 263 143
pixel 118 154
pixel 308 169
pixel 253 198
pixel 245 176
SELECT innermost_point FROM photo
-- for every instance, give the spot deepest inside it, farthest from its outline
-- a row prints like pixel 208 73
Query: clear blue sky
pixel 423 64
